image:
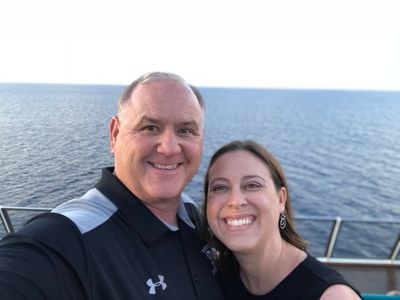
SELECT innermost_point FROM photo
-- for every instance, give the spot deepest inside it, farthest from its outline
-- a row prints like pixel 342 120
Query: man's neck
pixel 165 210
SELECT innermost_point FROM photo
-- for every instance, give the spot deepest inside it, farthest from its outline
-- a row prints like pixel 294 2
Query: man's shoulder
pixel 47 235
pixel 52 230
pixel 63 228
pixel 87 212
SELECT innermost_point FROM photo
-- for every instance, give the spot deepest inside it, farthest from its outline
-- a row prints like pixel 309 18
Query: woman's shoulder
pixel 336 286
pixel 322 271
pixel 340 291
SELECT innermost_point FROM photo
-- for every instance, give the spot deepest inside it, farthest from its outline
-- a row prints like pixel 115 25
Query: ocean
pixel 340 149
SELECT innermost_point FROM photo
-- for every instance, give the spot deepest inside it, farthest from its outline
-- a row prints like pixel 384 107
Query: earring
pixel 282 221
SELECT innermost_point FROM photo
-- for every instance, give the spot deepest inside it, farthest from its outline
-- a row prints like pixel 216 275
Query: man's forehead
pixel 172 79
pixel 156 99
pixel 156 85
pixel 165 91
pixel 165 119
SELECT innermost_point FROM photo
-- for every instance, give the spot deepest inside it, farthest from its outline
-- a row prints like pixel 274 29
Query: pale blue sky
pixel 272 44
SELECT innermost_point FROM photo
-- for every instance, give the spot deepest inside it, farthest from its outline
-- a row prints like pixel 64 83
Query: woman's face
pixel 243 204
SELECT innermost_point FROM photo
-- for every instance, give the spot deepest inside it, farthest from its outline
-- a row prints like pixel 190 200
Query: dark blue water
pixel 340 149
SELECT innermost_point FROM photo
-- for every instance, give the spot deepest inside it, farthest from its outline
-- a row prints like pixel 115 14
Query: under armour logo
pixel 153 285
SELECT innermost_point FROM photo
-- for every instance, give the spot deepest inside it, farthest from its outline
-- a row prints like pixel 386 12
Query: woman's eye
pixel 252 185
pixel 219 188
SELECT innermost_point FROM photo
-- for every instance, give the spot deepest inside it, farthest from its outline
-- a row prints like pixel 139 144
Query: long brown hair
pixel 224 257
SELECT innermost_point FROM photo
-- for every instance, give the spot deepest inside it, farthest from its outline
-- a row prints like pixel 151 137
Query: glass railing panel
pixel 369 240
pixel 316 237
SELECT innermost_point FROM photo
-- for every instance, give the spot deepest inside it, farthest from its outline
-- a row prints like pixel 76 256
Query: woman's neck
pixel 261 272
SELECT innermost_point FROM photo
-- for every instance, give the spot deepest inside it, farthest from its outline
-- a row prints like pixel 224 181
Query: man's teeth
pixel 239 222
pixel 165 167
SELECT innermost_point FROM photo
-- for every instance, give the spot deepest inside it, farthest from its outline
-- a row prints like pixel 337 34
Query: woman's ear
pixel 282 198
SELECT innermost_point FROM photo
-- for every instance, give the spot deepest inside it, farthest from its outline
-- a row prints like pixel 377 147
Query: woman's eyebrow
pixel 254 176
pixel 218 179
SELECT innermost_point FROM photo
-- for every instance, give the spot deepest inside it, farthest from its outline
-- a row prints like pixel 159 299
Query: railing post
pixel 396 249
pixel 5 218
pixel 333 237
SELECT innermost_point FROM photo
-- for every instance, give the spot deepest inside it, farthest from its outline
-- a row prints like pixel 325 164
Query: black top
pixel 106 245
pixel 307 281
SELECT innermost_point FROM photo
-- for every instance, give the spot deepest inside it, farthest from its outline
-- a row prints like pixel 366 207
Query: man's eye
pixel 185 131
pixel 150 129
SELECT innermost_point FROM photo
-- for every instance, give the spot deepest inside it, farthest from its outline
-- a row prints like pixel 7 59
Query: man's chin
pixel 172 196
pixel 166 187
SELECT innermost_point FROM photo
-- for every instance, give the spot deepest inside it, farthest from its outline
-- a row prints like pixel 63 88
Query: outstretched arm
pixel 29 270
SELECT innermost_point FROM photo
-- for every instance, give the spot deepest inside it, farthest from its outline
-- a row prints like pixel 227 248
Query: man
pixel 133 235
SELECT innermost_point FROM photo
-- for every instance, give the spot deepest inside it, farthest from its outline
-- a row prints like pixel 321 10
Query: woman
pixel 248 221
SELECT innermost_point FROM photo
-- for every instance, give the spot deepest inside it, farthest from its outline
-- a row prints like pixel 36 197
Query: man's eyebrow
pixel 190 124
pixel 146 119
pixel 151 120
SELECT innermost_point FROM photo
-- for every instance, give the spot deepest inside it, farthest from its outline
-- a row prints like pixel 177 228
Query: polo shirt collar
pixel 149 227
pixel 183 215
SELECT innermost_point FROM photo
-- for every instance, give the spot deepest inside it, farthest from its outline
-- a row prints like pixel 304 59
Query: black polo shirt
pixel 106 245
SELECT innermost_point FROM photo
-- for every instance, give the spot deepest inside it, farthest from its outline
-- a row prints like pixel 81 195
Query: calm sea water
pixel 340 149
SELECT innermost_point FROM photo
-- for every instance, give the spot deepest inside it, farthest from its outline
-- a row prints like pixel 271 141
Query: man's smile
pixel 164 166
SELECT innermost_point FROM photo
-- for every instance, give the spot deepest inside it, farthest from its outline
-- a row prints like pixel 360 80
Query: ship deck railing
pixel 337 223
pixel 371 260
pixel 7 221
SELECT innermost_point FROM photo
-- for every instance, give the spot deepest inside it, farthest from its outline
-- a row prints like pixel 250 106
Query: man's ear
pixel 113 130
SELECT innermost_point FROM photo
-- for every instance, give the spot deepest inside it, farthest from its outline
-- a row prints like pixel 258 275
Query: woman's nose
pixel 237 199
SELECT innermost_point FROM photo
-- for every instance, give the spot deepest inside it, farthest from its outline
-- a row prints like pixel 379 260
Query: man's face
pixel 158 142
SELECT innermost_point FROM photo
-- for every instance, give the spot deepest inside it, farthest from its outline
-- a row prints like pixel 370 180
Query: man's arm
pixel 26 271
pixel 44 260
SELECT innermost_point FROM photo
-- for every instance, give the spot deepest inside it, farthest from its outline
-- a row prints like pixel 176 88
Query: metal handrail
pixel 396 249
pixel 333 237
pixel 337 224
pixel 5 217
pixel 335 231
pixel 330 218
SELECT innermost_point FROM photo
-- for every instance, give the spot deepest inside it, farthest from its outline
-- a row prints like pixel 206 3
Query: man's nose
pixel 169 143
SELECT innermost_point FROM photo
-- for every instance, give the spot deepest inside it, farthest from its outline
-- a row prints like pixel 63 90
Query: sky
pixel 266 44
